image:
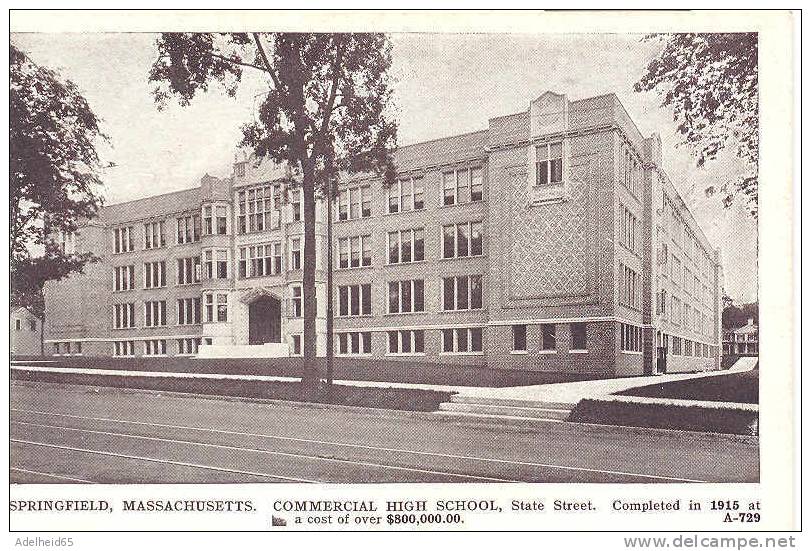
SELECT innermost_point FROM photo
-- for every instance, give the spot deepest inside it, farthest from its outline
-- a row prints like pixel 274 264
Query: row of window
pixel 683 236
pixel 158 347
pixel 190 228
pixel 67 348
pixel 685 347
pixel 188 311
pixel 632 173
pixel 577 334
pixel 629 229
pixel 690 317
pixel 187 272
pixel 630 287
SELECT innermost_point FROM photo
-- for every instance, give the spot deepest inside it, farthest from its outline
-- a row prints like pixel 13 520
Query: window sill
pixel 354 219
pixel 519 352
pixel 477 353
pixel 353 268
pixel 404 313
pixel 547 352
pixel 423 261
pixel 462 311
pixel 355 316
pixel 578 351
pixel 463 257
pixel 155 355
pixel 479 202
pixel 631 352
pixel 404 354
pixel 124 290
pixel 404 212
pixel 352 355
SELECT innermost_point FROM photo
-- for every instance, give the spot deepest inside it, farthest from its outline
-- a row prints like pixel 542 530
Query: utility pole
pixel 330 313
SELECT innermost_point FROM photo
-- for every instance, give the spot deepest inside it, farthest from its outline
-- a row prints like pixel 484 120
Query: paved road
pixel 73 434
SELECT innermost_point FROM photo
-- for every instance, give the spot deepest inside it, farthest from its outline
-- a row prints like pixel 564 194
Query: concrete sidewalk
pixel 572 393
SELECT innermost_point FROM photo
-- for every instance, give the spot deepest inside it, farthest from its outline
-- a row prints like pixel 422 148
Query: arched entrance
pixel 264 320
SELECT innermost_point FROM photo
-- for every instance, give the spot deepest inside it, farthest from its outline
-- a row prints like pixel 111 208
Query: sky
pixel 444 84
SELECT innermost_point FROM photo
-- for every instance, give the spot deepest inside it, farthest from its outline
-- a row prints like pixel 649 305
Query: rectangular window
pixel 405 342
pixel 155 347
pixel 354 343
pixel 188 229
pixel 124 348
pixel 188 311
pixel 188 270
pixel 548 339
pixel 630 287
pixel 123 239
pixel 462 293
pixel 519 338
pixel 188 346
pixel 629 227
pixel 461 186
pixel 154 236
pixel 155 313
pixel 297 302
pixel 124 315
pixel 578 332
pixel 464 341
pixel 124 278
pixel 462 240
pixel 295 254
pixel 154 274
pixel 549 164
pixel 406 246
pixel 406 194
pixel 354 252
pixel 406 296
pixel 221 212
pixel 630 338
pixel 216 307
pixel 208 220
pixel 215 263
pixel 355 300
pixel 296 345
pixel 295 204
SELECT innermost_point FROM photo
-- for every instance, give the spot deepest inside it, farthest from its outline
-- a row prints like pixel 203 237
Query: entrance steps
pixel 512 411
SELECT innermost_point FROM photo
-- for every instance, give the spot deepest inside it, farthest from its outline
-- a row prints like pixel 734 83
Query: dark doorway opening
pixel 264 320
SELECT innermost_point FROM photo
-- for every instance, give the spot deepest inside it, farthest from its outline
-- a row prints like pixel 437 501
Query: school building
pixel 552 240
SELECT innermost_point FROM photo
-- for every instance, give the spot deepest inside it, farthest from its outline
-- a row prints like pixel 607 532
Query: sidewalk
pixel 572 393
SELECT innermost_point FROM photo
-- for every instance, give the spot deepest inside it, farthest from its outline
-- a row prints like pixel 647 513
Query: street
pixel 80 434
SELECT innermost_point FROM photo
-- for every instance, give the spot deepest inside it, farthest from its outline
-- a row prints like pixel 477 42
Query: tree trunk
pixel 310 378
pixel 330 312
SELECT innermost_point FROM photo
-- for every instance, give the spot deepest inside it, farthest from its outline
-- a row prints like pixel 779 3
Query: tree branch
pixel 268 66
pixel 330 103
pixel 237 62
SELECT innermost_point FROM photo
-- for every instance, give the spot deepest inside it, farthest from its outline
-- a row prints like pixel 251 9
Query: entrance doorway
pixel 264 320
pixel 661 353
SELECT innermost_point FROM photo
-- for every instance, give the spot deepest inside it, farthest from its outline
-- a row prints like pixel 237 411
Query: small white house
pixel 26 333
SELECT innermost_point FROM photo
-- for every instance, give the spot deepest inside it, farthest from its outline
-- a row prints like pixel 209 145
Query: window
pixel 549 164
pixel 124 278
pixel 18 325
pixel 188 346
pixel 188 311
pixel 154 274
pixel 77 348
pixel 208 220
pixel 215 263
pixel 355 300
pixel 32 324
pixel 297 302
pixel 259 209
pixel 124 315
pixel 462 186
pixel 548 340
pixel 628 229
pixel 260 260
pixel 629 287
pixel 406 195
pixel 295 254
pixel 578 331
pixel 632 173
pixel 630 338
pixel 188 270
pixel 464 341
pixel 188 229
pixel 216 307
pixel 154 236
pixel 408 341
pixel 406 246
pixel 123 240
pixel 355 203
pixel 222 219
pixel 296 345
pixel 519 338
pixel 155 313
pixel 155 347
pixel 67 242
pixel 295 203
pixel 406 296
pixel 124 348
pixel 354 343
pixel 354 252
pixel 661 302
pixel 462 293
pixel 460 240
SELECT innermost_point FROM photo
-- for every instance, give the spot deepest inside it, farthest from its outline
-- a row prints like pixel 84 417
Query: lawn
pixel 371 397
pixel 732 387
